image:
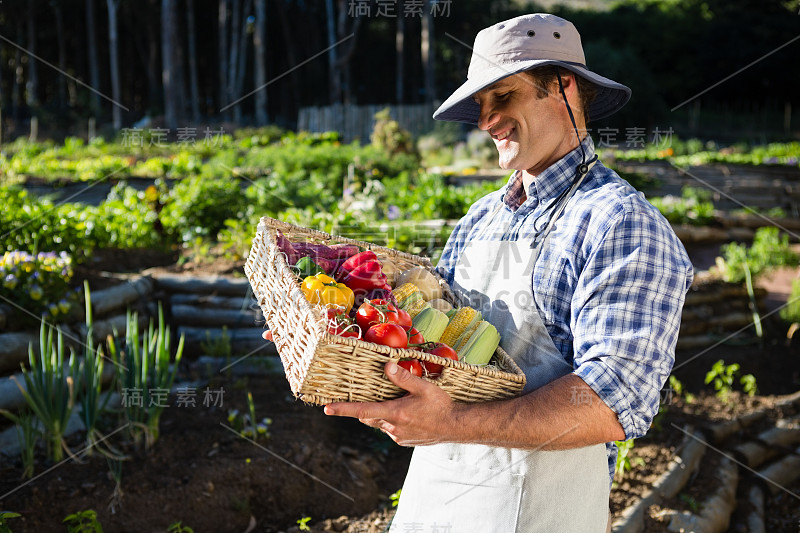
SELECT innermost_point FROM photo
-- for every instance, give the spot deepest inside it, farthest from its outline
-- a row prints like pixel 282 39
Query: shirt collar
pixel 552 181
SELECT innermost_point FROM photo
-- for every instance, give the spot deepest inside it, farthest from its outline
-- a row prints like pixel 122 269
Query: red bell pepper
pixel 357 260
pixel 365 277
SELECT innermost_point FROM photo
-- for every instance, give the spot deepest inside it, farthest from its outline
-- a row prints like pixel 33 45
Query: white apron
pixel 472 488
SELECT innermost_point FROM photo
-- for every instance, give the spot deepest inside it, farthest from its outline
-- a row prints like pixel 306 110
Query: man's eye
pixel 503 96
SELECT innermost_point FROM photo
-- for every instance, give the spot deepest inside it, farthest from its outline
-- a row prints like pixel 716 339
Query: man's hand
pixel 268 335
pixel 423 416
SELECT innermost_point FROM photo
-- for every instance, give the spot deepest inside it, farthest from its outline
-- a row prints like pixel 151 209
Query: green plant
pixel 302 523
pixel 388 135
pixel 145 372
pixel 37 282
pixel 395 497
pixel 5 515
pixel 769 250
pixel 27 436
pixel 791 312
pixel 178 527
pixel 245 424
pixel 115 469
pixel 83 522
pixel 50 387
pixel 690 501
pixel 723 377
pixel 693 207
pixel 219 346
pixel 90 386
pixel 748 382
pixel 624 461
pixel 677 388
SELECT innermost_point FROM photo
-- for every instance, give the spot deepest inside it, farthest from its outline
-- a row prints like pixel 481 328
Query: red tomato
pixel 442 350
pixel 412 365
pixel 404 319
pixel 373 312
pixel 390 335
pixel 415 337
pixel 341 324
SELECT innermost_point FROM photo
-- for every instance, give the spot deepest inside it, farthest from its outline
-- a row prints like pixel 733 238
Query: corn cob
pixel 464 337
pixel 481 345
pixel 415 307
pixel 464 317
pixel 431 323
pixel 404 291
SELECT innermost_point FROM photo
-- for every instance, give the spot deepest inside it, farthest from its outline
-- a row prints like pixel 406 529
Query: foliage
pixel 395 497
pixel 723 376
pixel 677 388
pixel 178 527
pixel 769 250
pixel 624 460
pixel 5 515
pixel 389 136
pixel 694 207
pixel 83 522
pixel 50 387
pixel 145 371
pixel 27 437
pixel 791 312
pixel 302 523
pixel 38 283
pixel 199 206
pixel 245 424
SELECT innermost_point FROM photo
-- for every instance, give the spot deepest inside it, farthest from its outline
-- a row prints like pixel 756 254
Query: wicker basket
pixel 322 368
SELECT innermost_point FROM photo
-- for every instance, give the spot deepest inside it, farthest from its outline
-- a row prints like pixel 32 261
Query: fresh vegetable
pixel 373 312
pixel 316 251
pixel 365 276
pixel 375 294
pixel 431 323
pixel 357 260
pixel 425 281
pixel 404 319
pixel 324 290
pixel 460 322
pixel 442 350
pixel 412 365
pixel 441 304
pixel 341 324
pixel 481 344
pixel 415 337
pixel 387 334
pixel 286 246
pixel 307 267
pixel 402 292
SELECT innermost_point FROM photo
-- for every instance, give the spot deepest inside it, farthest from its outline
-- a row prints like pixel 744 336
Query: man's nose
pixel 488 117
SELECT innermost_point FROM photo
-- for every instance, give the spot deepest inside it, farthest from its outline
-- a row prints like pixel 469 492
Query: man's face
pixel 530 133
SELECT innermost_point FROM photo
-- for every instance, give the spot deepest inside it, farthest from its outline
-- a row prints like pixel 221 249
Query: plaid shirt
pixel 612 296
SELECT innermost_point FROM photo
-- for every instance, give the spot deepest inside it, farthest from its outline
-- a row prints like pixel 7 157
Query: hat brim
pixel 460 107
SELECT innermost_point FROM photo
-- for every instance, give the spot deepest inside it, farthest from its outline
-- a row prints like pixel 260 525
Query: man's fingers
pixel 267 335
pixel 362 411
pixel 403 378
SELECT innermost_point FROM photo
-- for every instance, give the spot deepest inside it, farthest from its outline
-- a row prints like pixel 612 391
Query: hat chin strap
pixel 580 171
pixel 583 168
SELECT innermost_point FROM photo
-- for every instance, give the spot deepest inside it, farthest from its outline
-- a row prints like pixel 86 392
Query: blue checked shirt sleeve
pixel 626 315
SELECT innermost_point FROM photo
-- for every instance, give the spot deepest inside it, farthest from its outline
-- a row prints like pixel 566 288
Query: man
pixel 583 278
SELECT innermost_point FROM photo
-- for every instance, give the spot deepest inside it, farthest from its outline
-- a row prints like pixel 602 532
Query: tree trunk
pixel 240 69
pixel 291 56
pixel 333 71
pixel 32 88
pixel 260 63
pixel 222 25
pixel 428 53
pixel 233 58
pixel 94 68
pixel 18 85
pixel 193 86
pixel 168 66
pixel 114 62
pixel 399 44
pixel 62 54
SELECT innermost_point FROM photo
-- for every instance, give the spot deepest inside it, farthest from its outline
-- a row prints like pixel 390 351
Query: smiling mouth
pixel 503 134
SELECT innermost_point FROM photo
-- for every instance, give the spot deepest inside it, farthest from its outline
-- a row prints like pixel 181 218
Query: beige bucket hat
pixel 520 44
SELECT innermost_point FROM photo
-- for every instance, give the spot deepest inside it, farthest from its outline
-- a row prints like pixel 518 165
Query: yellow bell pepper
pixel 323 289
